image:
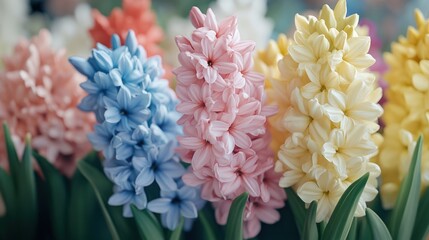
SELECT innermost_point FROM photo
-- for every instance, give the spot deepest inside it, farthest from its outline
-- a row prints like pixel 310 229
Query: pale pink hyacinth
pixel 39 94
pixel 224 118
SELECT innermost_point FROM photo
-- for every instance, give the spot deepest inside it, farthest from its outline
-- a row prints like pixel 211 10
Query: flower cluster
pixel 278 90
pixel 332 118
pixel 136 128
pixel 224 120
pixel 252 23
pixel 406 114
pixel 135 15
pixel 39 94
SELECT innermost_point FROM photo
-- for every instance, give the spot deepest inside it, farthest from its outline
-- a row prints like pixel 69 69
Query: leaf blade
pixel 57 195
pixel 421 228
pixel 147 224
pixel 310 227
pixel 234 224
pixel 405 210
pixel 342 217
pixel 298 208
pixel 377 226
pixel 93 177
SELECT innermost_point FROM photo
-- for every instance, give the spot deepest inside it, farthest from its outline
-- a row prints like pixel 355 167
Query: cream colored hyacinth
pixel 407 111
pixel 332 118
pixel 266 62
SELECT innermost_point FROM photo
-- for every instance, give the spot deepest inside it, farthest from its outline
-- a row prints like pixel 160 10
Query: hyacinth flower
pixel 332 118
pixel 136 129
pixel 39 93
pixel 405 114
pixel 224 121
pixel 266 61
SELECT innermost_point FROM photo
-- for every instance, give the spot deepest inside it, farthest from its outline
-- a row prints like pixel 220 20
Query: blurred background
pixel 64 18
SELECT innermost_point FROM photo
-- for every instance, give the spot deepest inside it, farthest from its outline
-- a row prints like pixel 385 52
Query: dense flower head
pixel 137 127
pixel 39 93
pixel 405 113
pixel 332 118
pixel 266 63
pixel 136 15
pixel 224 114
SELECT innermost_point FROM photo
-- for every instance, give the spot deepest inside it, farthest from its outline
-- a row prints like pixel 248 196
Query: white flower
pixel 252 23
pixel 71 32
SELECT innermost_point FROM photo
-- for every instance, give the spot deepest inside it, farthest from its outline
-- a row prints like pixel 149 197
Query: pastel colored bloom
pixel 405 113
pixel 127 111
pixel 136 129
pixel 332 111
pixel 39 94
pixel 174 204
pixel 224 115
pixel 161 166
pixel 266 63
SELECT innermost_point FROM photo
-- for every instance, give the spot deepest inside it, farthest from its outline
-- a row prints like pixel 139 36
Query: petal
pixel 309 192
pixel 145 177
pixel 165 181
pixel 160 205
pixel 173 217
pixel 120 198
pixel 188 209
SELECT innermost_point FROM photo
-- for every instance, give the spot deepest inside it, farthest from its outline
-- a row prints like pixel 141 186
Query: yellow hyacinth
pixel 266 61
pixel 407 110
pixel 332 110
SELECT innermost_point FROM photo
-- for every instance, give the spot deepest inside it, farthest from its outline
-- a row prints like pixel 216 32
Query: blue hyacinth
pixel 137 129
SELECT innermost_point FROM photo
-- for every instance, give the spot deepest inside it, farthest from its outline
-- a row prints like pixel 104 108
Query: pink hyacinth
pixel 224 119
pixel 39 94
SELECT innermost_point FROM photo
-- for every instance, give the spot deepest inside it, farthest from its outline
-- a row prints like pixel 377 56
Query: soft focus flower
pixel 71 32
pixel 135 15
pixel 380 67
pixel 39 94
pixel 406 115
pixel 12 19
pixel 333 111
pixel 278 90
pixel 136 127
pixel 252 22
pixel 173 204
pixel 224 115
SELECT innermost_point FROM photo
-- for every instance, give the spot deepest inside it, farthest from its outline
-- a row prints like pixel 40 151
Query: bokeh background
pixel 24 18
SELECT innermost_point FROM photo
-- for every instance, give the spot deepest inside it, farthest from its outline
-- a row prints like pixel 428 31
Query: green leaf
pixel 364 230
pixel 177 233
pixel 421 228
pixel 147 224
pixel 26 195
pixel 298 208
pixel 310 226
pixel 101 189
pixel 83 210
pixel 377 226
pixel 7 193
pixel 405 210
pixel 234 224
pixel 57 191
pixel 207 228
pixel 353 230
pixel 341 220
pixel 13 160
